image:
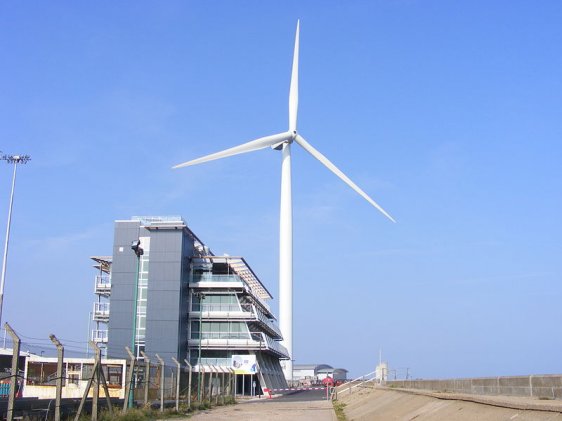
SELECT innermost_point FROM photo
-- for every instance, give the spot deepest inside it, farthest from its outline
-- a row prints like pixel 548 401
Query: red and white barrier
pixel 291 389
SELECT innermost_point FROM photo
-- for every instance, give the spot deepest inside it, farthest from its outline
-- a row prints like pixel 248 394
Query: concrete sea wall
pixel 539 386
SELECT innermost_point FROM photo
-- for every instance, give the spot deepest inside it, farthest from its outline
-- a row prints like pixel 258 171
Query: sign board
pixel 244 364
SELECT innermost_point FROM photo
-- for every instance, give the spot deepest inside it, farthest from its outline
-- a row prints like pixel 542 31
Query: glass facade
pixel 219 330
pixel 215 302
pixel 215 357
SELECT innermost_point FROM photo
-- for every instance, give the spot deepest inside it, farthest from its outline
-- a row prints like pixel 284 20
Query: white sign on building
pixel 244 364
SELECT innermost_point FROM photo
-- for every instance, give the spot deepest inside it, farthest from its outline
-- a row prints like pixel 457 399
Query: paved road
pixel 301 396
pixel 298 406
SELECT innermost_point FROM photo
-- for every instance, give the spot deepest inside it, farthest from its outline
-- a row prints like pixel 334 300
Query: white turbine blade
pixel 316 154
pixel 254 145
pixel 294 89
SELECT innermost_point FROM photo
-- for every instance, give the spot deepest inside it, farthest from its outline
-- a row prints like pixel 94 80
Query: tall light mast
pixel 10 159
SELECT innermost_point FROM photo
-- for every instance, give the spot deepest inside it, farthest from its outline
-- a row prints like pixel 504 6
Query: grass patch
pixel 338 408
pixel 151 414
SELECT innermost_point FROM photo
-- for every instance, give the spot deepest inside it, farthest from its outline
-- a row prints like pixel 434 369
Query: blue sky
pixel 447 113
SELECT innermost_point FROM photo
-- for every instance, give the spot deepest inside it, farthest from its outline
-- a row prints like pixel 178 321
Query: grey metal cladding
pixel 116 346
pixel 165 271
pixel 123 276
pixel 167 295
pixel 164 293
pixel 167 241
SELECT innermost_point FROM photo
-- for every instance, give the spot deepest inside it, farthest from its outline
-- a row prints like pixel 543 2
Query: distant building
pixel 381 372
pixel 315 373
pixel 335 373
pixel 182 301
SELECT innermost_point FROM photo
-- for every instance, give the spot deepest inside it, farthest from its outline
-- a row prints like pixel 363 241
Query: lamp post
pixel 136 247
pixel 10 159
pixel 201 297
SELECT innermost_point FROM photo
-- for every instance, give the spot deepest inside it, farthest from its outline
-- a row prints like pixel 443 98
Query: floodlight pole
pixel 10 159
pixel 138 250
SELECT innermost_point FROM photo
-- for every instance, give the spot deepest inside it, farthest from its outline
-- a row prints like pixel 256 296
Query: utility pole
pixel 10 159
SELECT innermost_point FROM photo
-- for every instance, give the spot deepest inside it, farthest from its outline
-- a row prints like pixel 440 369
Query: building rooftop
pixel 103 263
pixel 315 367
pixel 241 268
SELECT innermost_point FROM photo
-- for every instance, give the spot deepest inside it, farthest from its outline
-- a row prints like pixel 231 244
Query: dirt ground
pixel 274 410
pixel 384 404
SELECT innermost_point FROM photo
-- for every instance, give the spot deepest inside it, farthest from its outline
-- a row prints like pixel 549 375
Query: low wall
pixel 541 386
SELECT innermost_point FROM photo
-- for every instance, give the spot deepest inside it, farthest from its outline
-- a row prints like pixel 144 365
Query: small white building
pixel 39 375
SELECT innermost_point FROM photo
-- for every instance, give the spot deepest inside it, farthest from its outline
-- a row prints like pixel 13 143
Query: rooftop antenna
pixel 10 159
pixel 282 142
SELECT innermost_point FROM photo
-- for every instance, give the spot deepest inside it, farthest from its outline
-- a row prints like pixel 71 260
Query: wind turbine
pixel 282 141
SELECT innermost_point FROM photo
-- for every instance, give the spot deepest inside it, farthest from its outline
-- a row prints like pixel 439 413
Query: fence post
pixel 211 372
pixel 202 377
pixel 177 384
pixel 223 389
pixel 188 384
pixel 96 376
pixel 15 366
pixel 60 362
pixel 162 367
pixel 232 382
pixel 216 371
pixel 531 385
pixel 129 400
pixel 102 376
pixel 146 376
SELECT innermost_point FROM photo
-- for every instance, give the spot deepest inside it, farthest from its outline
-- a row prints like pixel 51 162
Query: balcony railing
pixel 210 277
pixel 100 336
pixel 101 311
pixel 268 322
pixel 215 307
pixel 102 284
pixel 246 311
pixel 252 340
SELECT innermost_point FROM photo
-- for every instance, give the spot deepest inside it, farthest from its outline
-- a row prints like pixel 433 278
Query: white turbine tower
pixel 283 141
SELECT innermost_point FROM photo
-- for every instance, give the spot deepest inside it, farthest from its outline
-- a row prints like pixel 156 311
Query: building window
pixel 220 330
pixel 41 374
pixel 215 302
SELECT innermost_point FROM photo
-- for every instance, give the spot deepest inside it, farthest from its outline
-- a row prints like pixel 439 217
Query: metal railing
pixel 210 277
pixel 359 381
pixel 195 307
pixel 221 335
pixel 100 336
pixel 265 320
pixel 101 310
pixel 102 282
pixel 253 340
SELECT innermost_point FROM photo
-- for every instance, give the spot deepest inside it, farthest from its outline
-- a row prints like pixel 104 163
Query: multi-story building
pixel 171 296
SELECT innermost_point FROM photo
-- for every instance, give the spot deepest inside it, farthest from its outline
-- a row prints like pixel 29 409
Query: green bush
pixel 338 409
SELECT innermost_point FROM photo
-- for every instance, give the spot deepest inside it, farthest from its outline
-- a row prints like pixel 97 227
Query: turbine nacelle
pixel 279 146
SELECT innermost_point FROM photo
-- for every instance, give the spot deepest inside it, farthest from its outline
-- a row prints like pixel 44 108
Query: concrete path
pixel 271 410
